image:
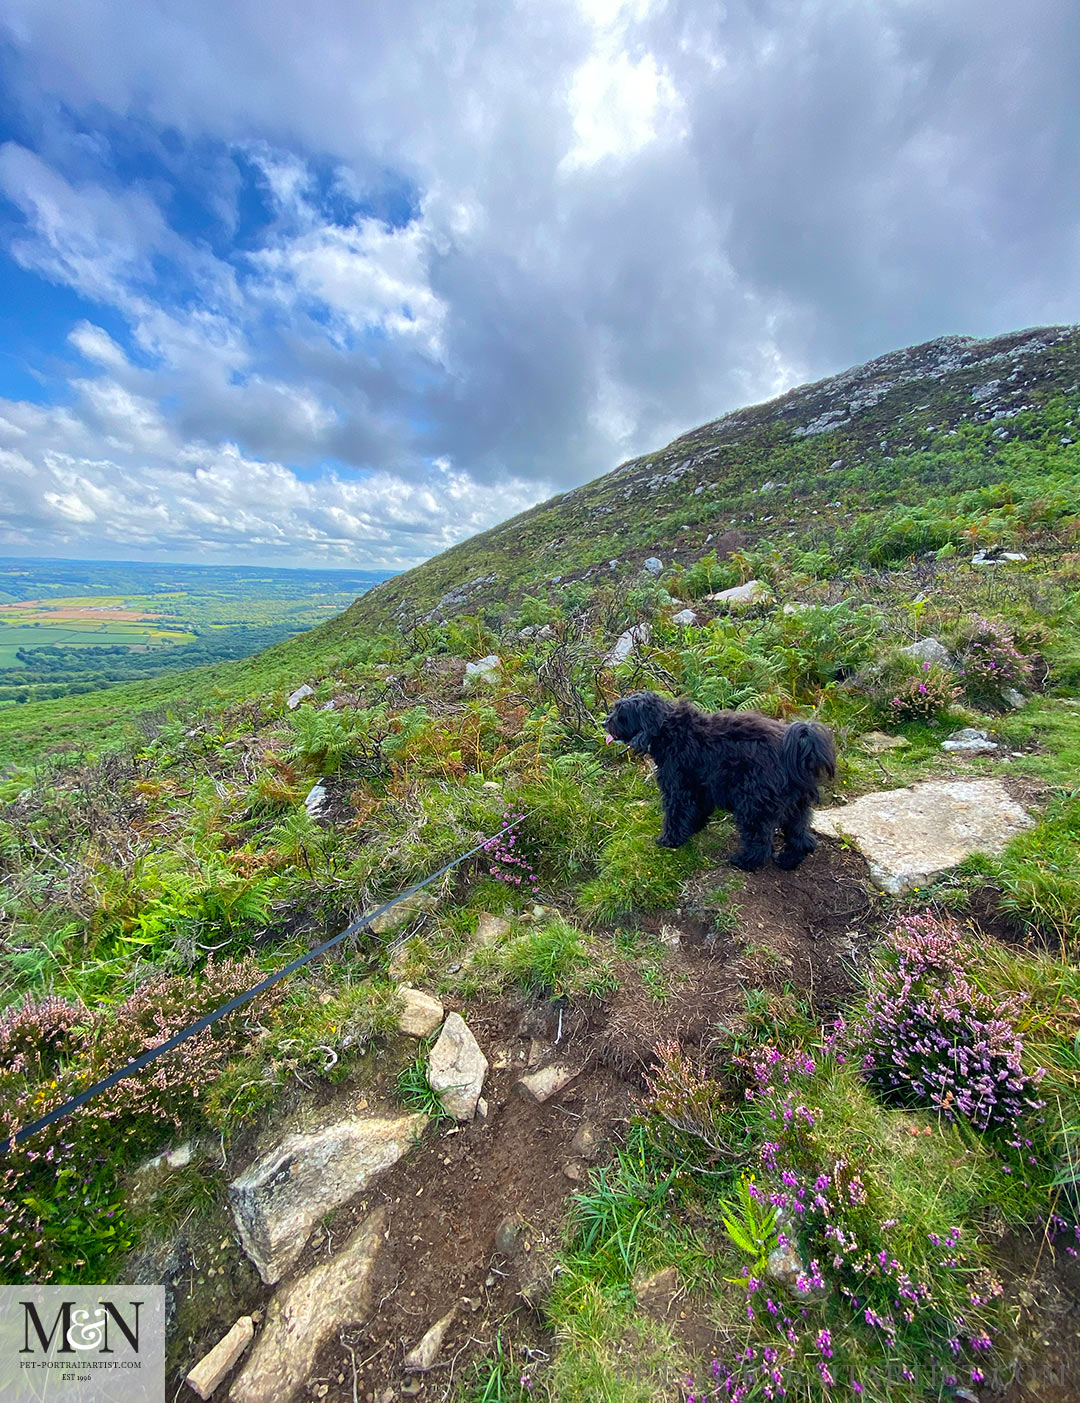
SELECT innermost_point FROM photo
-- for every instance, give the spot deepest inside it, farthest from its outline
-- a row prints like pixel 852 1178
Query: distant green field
pixel 13 637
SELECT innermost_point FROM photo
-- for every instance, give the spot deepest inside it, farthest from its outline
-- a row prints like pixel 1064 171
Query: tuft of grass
pixel 416 1093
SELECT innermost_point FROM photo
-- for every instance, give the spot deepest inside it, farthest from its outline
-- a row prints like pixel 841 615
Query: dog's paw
pixel 746 863
pixel 790 858
pixel 664 842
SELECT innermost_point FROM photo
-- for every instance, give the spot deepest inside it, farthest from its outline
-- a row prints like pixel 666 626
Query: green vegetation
pixel 156 850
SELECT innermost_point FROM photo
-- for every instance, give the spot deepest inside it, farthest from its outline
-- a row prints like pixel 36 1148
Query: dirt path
pixel 804 931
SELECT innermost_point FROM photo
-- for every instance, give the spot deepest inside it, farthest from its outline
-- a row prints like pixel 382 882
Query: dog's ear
pixel 647 717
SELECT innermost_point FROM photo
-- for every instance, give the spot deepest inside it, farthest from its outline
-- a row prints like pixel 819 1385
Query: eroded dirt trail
pixel 477 1211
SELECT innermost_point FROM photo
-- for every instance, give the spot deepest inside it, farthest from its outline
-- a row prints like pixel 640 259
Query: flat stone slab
pixel 909 836
pixel 420 1014
pixel 306 1313
pixel 285 1193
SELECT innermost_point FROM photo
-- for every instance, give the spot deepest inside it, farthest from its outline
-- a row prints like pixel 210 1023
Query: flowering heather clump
pixel 989 660
pixel 931 1038
pixel 874 1293
pixel 63 1209
pixel 923 697
pixel 506 860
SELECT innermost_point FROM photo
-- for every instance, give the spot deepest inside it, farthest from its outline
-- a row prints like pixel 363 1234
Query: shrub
pixel 930 1037
pixel 989 660
pixel 925 696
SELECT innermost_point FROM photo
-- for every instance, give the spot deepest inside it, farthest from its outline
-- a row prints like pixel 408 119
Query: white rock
pixel 653 565
pixel 298 696
pixel 929 650
pixel 740 595
pixel 544 1084
pixel 626 643
pixel 483 670
pixel 222 1359
pixel 997 557
pixel 420 1013
pixel 278 1201
pixel 168 1159
pixel 968 739
pixel 420 1359
pixel 794 607
pixel 304 1315
pixel 909 836
pixel 684 618
pixel 1012 698
pixel 316 798
pixel 457 1068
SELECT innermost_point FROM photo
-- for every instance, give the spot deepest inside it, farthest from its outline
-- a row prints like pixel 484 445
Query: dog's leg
pixel 799 842
pixel 684 815
pixel 755 847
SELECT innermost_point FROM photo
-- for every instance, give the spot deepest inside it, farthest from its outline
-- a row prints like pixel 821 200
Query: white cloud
pixel 497 247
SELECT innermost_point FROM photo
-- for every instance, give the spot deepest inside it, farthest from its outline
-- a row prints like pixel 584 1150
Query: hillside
pixel 739 1132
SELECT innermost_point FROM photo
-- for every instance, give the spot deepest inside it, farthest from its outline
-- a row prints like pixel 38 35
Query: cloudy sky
pixel 343 281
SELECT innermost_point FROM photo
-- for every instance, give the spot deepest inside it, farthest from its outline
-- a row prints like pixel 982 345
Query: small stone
pixel 994 555
pixel 489 929
pixel 787 1269
pixel 585 1142
pixel 971 741
pixel 543 1085
pixel 929 650
pixel 457 1068
pixel 403 912
pixel 653 565
pixel 573 1171
pixel 420 1359
pixel 482 1107
pixel 298 696
pixel 420 1013
pixel 508 1234
pixel 685 618
pixel 658 1292
pixel 1013 698
pixel 222 1359
pixel 878 742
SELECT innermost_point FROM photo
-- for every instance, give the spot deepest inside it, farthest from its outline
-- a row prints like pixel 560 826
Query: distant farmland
pixel 72 627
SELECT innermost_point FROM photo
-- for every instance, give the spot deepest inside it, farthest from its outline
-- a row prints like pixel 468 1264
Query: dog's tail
pixel 807 752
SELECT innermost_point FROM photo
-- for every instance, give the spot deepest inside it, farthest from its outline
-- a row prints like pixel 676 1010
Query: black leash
pixel 151 1054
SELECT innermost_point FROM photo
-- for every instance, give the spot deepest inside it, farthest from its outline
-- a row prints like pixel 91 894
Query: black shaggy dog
pixel 765 773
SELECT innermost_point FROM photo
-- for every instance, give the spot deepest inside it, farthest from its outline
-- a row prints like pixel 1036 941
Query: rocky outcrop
pixel 909 836
pixel 295 698
pixel 457 1068
pixel 307 1313
pixel 285 1193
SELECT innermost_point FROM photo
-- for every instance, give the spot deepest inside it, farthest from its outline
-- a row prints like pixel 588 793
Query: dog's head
pixel 637 719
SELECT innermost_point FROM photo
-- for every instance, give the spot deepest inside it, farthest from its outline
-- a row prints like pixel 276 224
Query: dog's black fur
pixel 763 772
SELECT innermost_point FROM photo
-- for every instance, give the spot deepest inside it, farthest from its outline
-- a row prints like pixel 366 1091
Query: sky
pixel 342 283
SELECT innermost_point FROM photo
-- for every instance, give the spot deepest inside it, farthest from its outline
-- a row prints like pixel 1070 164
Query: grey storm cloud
pixel 628 218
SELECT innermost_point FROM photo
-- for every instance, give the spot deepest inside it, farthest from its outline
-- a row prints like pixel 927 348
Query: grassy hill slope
pixel 145 883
